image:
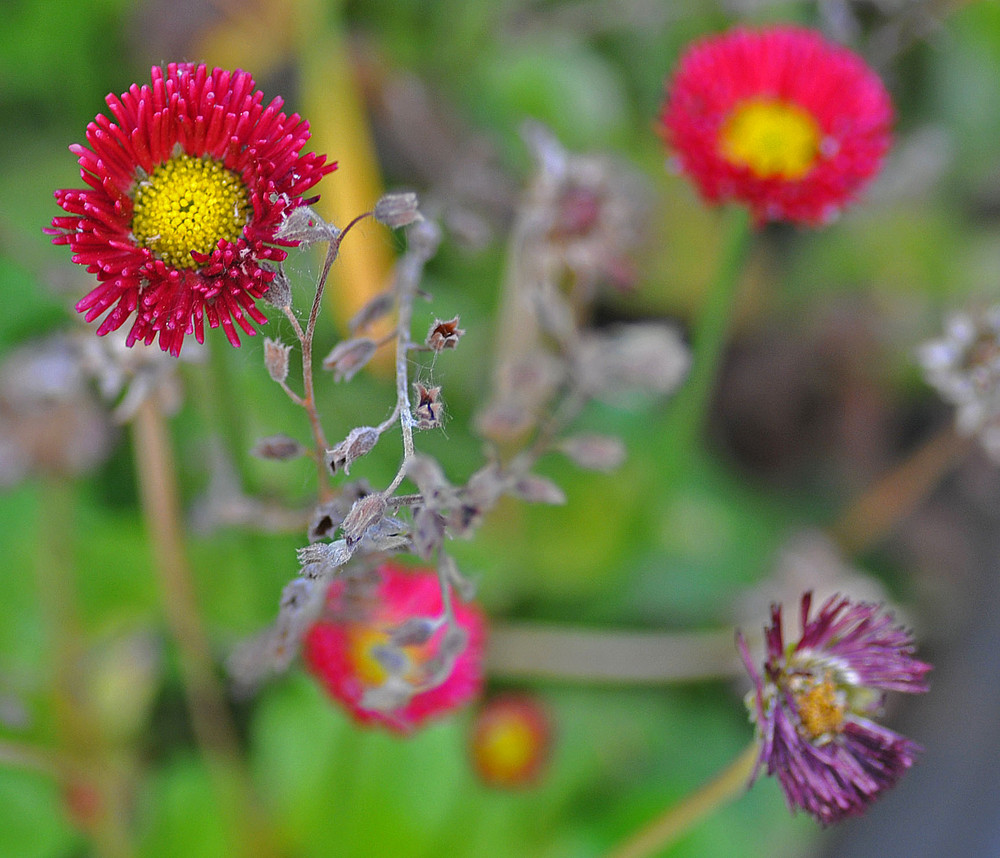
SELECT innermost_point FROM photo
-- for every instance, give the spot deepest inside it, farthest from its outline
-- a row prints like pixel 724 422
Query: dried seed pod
pixel 375 309
pixel 359 442
pixel 595 452
pixel 398 209
pixel 535 489
pixel 645 356
pixel 349 356
pixel 366 512
pixel 304 225
pixel 325 557
pixel 429 409
pixel 415 631
pixel 279 290
pixel 278 447
pixel 428 532
pixel 444 335
pixel 276 359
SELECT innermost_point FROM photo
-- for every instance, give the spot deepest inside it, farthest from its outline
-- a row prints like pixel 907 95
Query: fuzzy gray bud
pixel 644 356
pixel 358 443
pixel 324 557
pixel 414 632
pixel 375 309
pixel 277 447
pixel 365 513
pixel 595 452
pixel 276 359
pixel 428 532
pixel 535 489
pixel 396 210
pixel 304 226
pixel 279 290
pixel 349 356
pixel 430 480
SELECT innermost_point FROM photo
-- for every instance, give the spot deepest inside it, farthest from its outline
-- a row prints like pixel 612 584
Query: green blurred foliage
pixel 626 550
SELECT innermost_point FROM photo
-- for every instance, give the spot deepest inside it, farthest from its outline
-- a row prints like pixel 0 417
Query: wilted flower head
pixel 815 702
pixel 385 651
pixel 779 119
pixel 50 419
pixel 511 740
pixel 187 186
pixel 588 212
pixel 964 367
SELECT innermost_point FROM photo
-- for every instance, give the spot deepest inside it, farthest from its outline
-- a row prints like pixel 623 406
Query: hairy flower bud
pixel 396 210
pixel 535 489
pixel 366 512
pixel 349 356
pixel 277 447
pixel 276 359
pixel 305 226
pixel 595 452
pixel 279 290
pixel 359 442
pixel 375 309
pixel 415 631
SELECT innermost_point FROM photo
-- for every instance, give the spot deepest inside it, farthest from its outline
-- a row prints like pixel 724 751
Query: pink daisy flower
pixel 779 119
pixel 187 186
pixel 384 650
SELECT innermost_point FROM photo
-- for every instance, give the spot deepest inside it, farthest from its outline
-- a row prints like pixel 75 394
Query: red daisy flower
pixel 779 119
pixel 511 739
pixel 387 654
pixel 187 187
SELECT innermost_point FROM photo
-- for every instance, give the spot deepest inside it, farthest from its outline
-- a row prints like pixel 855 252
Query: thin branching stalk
pixel 408 273
pixel 681 818
pixel 306 337
pixel 895 495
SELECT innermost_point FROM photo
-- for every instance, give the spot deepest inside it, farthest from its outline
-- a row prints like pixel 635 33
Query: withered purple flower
pixel 815 703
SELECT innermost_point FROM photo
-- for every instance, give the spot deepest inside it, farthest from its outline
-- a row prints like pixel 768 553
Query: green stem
pixel 708 340
pixel 681 818
pixel 214 731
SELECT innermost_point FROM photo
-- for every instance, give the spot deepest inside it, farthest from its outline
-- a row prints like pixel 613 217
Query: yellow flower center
pixel 374 659
pixel 507 748
pixel 821 709
pixel 189 205
pixel 771 138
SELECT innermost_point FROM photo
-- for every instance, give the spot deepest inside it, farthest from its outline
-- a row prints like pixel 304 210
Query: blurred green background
pixel 626 551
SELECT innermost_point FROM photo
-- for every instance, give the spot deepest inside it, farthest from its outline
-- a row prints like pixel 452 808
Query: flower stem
pixel 82 756
pixel 681 818
pixel 882 506
pixel 210 719
pixel 708 340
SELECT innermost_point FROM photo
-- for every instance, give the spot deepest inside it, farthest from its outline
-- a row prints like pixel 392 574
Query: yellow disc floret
pixel 189 204
pixel 821 709
pixel 375 659
pixel 508 748
pixel 771 138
